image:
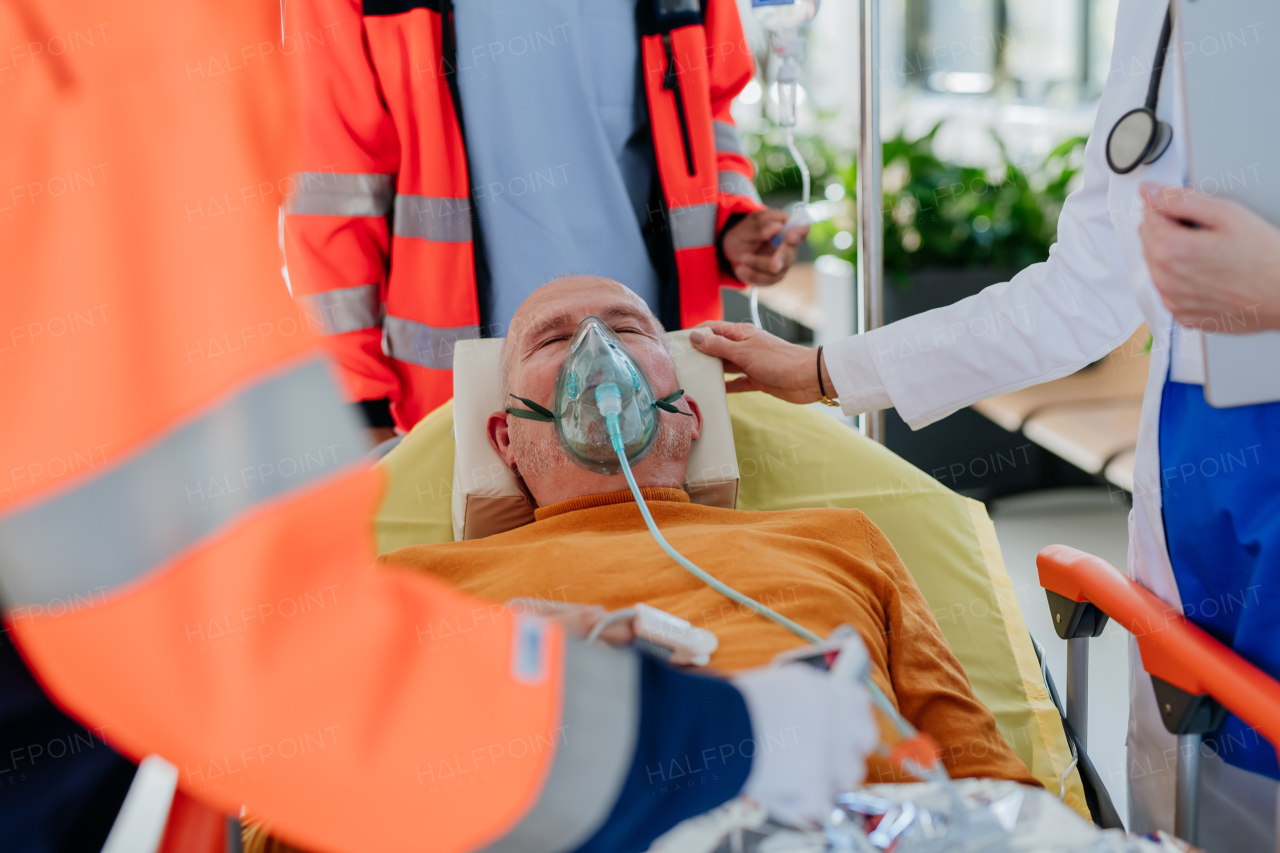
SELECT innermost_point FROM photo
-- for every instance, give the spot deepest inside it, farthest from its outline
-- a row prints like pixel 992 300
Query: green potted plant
pixel 949 231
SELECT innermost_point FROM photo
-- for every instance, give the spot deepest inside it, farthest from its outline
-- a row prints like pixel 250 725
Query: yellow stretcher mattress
pixel 793 456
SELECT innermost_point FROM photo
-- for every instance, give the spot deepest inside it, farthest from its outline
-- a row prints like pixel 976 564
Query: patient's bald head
pixel 552 313
pixel 531 357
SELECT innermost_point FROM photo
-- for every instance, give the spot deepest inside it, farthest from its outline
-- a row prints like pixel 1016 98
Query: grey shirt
pixel 558 143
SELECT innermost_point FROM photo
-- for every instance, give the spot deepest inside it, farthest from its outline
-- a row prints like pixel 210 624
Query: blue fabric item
pixel 60 785
pixel 557 142
pixel 1221 490
pixel 693 753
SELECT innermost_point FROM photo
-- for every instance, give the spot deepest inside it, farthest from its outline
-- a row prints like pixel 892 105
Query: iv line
pixel 754 293
pixel 802 166
pixel 755 308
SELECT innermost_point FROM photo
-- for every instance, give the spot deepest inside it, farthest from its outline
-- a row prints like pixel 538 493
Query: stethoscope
pixel 1139 137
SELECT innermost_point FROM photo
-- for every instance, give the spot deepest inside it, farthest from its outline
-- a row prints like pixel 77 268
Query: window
pixel 1040 51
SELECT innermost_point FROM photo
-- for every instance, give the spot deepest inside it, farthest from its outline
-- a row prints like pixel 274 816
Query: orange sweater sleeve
pixel 930 685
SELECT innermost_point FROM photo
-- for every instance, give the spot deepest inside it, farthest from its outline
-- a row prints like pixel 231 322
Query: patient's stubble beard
pixel 536 450
pixel 538 453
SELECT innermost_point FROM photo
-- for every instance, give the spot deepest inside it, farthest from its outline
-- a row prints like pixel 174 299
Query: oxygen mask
pixel 596 356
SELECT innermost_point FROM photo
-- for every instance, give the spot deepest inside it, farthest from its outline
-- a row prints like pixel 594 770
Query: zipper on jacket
pixel 671 81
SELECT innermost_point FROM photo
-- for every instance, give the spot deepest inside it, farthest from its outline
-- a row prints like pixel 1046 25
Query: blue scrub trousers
pixel 1220 476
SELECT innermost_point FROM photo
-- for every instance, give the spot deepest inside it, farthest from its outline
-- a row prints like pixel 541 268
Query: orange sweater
pixel 820 567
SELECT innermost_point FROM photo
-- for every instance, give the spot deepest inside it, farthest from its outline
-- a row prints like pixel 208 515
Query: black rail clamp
pixel 1187 713
pixel 1074 620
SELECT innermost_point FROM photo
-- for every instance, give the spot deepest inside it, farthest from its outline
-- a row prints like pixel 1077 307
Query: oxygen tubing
pixel 609 399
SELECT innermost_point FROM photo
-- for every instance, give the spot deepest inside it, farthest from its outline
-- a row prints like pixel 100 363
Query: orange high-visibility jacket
pixel 380 234
pixel 185 526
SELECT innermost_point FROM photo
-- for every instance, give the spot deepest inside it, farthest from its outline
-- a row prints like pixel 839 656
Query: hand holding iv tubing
pixel 750 252
pixel 915 752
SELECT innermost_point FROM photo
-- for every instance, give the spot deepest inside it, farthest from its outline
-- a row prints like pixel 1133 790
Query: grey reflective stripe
pixel 737 184
pixel 728 140
pixel 694 226
pixel 163 498
pixel 443 220
pixel 329 194
pixel 423 345
pixel 347 309
pixel 599 724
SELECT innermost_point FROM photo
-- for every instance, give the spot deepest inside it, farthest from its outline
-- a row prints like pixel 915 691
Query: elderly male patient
pixel 820 567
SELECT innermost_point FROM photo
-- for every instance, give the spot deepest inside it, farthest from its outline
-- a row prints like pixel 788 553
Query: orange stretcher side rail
pixel 1173 649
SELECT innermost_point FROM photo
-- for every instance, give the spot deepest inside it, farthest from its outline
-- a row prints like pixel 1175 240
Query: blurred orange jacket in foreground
pixel 184 516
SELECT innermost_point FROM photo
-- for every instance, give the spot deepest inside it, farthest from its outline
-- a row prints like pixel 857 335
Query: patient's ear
pixel 697 416
pixel 500 437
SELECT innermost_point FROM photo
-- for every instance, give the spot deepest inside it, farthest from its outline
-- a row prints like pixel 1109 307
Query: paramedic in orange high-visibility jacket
pixel 457 157
pixel 185 541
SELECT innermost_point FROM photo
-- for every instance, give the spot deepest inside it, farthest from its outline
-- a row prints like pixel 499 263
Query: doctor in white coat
pixel 1050 320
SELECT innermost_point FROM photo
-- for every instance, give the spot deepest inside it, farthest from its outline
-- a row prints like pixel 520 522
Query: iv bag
pixel 783 19
pixel 778 16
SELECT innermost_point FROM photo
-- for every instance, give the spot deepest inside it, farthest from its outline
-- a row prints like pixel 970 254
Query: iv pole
pixel 870 198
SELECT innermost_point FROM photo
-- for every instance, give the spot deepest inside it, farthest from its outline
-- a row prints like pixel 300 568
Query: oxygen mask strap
pixel 667 403
pixel 542 413
pixel 539 413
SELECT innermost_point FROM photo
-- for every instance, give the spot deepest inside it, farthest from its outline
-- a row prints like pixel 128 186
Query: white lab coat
pixel 1050 320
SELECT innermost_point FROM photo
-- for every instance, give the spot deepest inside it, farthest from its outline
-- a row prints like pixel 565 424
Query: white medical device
pixel 1233 121
pixel 664 634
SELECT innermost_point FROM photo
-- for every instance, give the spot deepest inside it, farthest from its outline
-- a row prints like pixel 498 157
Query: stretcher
pixel 787 457
pixel 790 457
pixel 780 457
pixel 1196 679
pixel 759 453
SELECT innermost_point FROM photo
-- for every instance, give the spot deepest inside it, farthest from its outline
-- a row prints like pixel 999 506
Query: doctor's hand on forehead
pixel 1211 258
pixel 750 252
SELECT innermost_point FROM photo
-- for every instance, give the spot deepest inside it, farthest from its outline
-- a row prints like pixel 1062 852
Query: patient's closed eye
pixel 552 340
pixel 559 338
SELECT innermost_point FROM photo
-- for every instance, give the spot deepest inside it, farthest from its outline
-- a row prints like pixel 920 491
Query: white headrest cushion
pixel 488 498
